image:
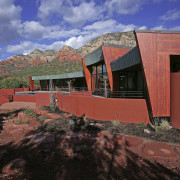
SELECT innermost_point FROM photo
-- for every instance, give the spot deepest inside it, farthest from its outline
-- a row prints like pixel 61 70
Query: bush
pixel 30 112
pixel 116 123
pixel 141 124
pixel 13 83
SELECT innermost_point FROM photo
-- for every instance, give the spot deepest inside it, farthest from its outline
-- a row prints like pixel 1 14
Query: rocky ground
pixel 48 145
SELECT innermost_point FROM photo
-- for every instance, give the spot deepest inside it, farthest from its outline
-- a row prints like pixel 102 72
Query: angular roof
pixel 60 76
pixel 129 59
pixel 97 55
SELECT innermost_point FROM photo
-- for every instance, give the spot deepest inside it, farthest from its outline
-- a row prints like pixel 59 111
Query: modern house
pixel 128 84
pixel 152 69
pixel 97 68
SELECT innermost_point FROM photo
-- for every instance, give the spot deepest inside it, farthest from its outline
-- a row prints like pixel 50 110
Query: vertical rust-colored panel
pixel 168 44
pixel 87 74
pixel 31 83
pixel 157 73
pixel 110 54
pixel 175 100
pixel 163 83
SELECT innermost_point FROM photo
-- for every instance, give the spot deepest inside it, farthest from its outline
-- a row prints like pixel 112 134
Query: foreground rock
pixel 14 166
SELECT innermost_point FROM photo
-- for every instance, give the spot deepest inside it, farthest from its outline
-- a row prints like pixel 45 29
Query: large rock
pixel 14 166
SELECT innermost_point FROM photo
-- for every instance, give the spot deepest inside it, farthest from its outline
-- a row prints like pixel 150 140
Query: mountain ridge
pixel 18 63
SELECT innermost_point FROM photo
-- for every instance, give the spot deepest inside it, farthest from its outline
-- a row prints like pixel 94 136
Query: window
pixel 175 63
pixel 98 75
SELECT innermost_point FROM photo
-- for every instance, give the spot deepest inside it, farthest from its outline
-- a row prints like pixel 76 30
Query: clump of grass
pixel 84 117
pixel 42 107
pixel 27 122
pixel 165 125
pixel 30 112
pixel 53 107
pixel 18 121
pixel 10 116
pixel 141 124
pixel 71 122
pixel 42 118
pixel 73 116
pixel 116 123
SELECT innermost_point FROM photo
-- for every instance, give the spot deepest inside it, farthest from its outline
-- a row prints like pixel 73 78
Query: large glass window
pixel 131 84
pixel 98 75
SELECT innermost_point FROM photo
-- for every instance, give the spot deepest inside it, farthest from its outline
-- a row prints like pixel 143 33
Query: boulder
pixel 14 166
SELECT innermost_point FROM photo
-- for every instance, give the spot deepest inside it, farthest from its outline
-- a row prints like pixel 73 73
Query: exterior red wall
pixel 24 98
pixel 156 65
pixel 6 95
pixel 175 100
pixel 3 99
pixel 123 110
pixel 110 54
pixel 87 75
pixel 21 89
pixel 42 99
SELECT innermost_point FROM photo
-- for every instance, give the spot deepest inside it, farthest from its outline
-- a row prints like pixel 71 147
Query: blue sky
pixel 49 24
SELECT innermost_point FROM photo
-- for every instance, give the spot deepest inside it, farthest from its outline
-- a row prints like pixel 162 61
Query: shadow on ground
pixel 81 156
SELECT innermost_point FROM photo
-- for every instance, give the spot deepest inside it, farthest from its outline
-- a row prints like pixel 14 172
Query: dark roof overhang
pixel 128 60
pixel 78 74
pixel 97 55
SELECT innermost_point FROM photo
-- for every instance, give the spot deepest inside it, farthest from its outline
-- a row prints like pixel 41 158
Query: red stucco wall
pixel 6 95
pixel 175 100
pixel 24 98
pixel 3 99
pixel 21 89
pixel 42 99
pixel 123 110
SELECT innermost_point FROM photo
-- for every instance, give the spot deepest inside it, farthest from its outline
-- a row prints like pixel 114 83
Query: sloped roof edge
pixel 60 76
pixel 129 59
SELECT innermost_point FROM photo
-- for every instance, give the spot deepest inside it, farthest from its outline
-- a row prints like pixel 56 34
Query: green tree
pixel 13 83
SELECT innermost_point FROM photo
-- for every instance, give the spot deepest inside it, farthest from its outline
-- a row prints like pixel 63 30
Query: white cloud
pixel 10 24
pixel 176 28
pixel 142 28
pixel 110 25
pixel 83 13
pixel 123 6
pixel 88 33
pixel 170 15
pixel 25 47
pixel 159 28
pixel 34 30
pixel 48 7
pixel 77 14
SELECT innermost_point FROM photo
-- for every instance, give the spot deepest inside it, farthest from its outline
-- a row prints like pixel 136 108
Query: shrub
pixel 116 123
pixel 141 124
pixel 13 83
pixel 84 117
pixel 42 118
pixel 17 121
pixel 42 107
pixel 165 125
pixel 30 112
pixel 53 107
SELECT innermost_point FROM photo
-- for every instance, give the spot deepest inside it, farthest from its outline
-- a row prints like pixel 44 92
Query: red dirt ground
pixel 27 153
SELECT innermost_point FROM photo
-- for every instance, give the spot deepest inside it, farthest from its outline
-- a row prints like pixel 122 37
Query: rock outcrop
pixel 66 54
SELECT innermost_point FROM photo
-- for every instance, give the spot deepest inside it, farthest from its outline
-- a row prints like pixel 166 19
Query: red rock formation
pixel 67 54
